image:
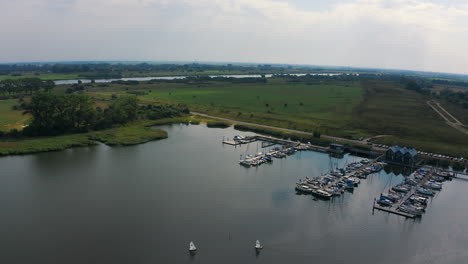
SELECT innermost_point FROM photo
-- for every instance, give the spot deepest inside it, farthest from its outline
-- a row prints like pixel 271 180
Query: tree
pixel 48 85
pixel 122 110
pixel 30 84
pixel 8 86
pixel 55 114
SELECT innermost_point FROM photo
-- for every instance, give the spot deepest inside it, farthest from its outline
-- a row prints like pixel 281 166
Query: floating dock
pixel 270 141
pixel 394 209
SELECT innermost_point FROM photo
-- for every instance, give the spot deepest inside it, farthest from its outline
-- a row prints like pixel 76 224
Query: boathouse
pixel 402 155
pixel 336 148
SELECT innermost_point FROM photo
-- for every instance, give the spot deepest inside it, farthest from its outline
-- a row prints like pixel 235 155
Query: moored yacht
pixel 322 194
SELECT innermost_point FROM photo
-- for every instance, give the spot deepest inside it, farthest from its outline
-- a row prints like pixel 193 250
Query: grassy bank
pixel 45 144
pixel 217 124
pixel 130 135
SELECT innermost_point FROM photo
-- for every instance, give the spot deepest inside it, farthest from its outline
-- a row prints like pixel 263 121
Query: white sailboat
pixel 257 245
pixel 192 246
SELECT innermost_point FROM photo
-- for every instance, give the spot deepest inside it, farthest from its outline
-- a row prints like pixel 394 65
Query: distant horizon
pixel 332 67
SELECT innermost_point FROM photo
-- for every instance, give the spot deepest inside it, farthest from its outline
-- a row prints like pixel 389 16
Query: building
pixel 402 155
pixel 336 148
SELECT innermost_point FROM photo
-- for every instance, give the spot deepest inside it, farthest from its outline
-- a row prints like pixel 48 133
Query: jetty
pixel 416 184
pixel 337 181
pixel 268 141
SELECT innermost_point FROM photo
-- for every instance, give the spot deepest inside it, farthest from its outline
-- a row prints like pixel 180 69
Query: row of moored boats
pixel 338 180
pixel 279 153
pixel 412 195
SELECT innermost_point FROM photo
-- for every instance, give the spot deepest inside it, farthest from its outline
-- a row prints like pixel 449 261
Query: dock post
pixel 373 206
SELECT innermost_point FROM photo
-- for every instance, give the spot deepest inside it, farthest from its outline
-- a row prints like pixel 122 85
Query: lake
pixel 145 203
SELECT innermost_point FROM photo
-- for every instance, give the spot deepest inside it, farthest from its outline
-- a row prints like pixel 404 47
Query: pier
pixel 395 208
pixel 337 181
pixel 268 141
pixel 289 147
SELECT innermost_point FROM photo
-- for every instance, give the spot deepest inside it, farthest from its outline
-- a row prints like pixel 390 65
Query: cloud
pixel 424 35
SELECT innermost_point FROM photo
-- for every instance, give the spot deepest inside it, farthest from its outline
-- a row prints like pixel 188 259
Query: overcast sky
pixel 429 35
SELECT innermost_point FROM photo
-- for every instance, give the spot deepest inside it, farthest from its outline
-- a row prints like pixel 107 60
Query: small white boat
pixel 192 247
pixel 257 245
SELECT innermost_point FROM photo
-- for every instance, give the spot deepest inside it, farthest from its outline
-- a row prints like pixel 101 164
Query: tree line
pixel 24 86
pixel 54 114
pixel 120 67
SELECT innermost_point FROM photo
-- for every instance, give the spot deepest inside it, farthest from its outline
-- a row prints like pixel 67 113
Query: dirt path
pixel 450 115
pixel 378 136
pixel 455 123
pixel 280 128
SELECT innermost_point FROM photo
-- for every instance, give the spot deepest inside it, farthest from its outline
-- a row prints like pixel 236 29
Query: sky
pixel 428 35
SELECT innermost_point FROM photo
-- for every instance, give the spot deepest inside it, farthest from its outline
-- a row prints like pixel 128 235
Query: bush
pixel 217 124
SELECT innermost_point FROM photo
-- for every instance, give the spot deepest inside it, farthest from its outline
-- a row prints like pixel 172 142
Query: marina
pixel 287 147
pixel 337 181
pixel 410 198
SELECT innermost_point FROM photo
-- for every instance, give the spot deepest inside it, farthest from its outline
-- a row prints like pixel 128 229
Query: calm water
pixel 181 77
pixel 143 204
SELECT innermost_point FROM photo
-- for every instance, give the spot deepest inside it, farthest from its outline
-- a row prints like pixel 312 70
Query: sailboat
pixel 257 245
pixel 192 247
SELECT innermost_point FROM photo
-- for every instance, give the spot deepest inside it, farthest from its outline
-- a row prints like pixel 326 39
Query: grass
pixel 136 133
pixel 390 110
pixel 285 135
pixel 345 109
pixel 458 112
pixel 325 107
pixel 336 108
pixel 130 135
pixel 45 144
pixel 9 118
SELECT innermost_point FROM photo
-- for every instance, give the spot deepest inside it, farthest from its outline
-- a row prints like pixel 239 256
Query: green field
pixel 335 108
pixel 327 108
pixel 458 112
pixel 9 118
pixel 390 110
pixel 43 76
